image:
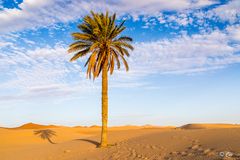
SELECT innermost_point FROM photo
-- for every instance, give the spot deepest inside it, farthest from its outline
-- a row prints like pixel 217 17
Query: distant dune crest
pixel 187 126
pixel 35 126
pixel 208 126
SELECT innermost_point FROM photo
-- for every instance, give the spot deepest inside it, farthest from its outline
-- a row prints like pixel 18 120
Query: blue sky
pixel 185 67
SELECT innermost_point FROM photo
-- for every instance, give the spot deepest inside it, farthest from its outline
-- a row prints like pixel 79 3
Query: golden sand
pixel 192 141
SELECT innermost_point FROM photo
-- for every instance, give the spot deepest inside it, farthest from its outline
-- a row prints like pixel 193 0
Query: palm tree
pixel 46 134
pixel 100 38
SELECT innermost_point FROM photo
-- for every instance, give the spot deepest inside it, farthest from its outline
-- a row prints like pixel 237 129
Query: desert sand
pixel 189 142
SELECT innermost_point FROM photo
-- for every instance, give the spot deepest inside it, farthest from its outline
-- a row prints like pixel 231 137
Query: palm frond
pixel 83 36
pixel 125 38
pixel 79 54
pixel 125 63
pixel 78 46
pixel 116 58
pixel 100 36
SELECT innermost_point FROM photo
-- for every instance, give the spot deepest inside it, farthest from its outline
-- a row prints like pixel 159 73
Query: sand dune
pixel 34 126
pixel 128 143
pixel 209 126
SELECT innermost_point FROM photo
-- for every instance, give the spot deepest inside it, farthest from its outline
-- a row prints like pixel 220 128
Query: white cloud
pixel 234 32
pixel 186 54
pixel 5 44
pixel 42 72
pixel 44 13
pixel 143 7
pixel 47 72
pixel 204 3
pixel 228 12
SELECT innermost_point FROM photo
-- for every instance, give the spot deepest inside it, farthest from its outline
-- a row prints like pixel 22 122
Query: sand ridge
pixel 34 126
pixel 209 126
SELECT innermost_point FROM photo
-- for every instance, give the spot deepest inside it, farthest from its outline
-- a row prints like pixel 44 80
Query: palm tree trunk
pixel 104 106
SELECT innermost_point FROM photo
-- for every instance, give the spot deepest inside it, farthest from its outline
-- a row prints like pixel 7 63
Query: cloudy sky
pixel 185 67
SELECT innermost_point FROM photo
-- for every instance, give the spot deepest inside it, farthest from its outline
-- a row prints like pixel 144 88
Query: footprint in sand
pixel 210 153
pixel 195 147
pixel 195 141
pixel 190 154
pixel 147 146
pixel 174 153
pixel 183 153
pixel 133 154
pixel 153 147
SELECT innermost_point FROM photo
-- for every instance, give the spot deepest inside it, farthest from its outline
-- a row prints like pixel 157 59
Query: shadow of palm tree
pixel 90 141
pixel 46 134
